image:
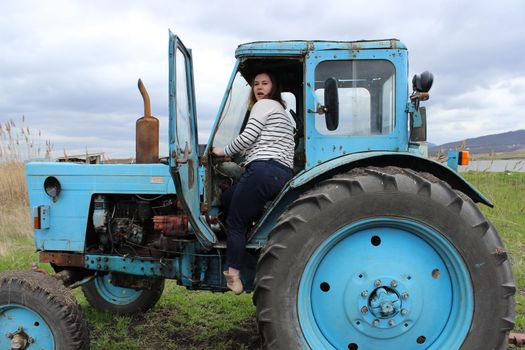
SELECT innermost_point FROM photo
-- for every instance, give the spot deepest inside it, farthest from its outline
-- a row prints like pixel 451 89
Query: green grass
pixel 507 192
pixel 181 320
pixel 200 320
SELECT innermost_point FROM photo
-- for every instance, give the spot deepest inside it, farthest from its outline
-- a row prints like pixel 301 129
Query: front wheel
pixel 103 295
pixel 38 312
pixel 384 258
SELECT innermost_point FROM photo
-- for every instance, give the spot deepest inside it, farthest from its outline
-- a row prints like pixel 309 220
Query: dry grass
pixel 15 222
pixel 17 144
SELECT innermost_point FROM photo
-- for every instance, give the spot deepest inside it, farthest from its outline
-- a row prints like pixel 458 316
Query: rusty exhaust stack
pixel 147 132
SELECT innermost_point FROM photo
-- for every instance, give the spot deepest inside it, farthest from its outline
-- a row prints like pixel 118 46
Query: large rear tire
pixel 103 295
pixel 384 258
pixel 38 312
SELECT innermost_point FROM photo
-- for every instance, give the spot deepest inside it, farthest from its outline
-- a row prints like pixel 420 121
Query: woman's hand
pixel 218 151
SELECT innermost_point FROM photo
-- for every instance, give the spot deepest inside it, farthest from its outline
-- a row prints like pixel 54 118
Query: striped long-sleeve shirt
pixel 267 135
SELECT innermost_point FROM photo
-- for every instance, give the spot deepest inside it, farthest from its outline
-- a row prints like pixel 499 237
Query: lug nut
pixel 364 293
pixel 391 323
pixel 393 284
pixel 375 322
pixel 377 283
pixel 364 309
pixel 404 312
pixel 405 295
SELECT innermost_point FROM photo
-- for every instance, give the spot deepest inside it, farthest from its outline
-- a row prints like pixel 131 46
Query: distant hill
pixel 505 142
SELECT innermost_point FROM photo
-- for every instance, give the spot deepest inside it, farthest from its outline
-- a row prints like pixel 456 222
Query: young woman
pixel 267 143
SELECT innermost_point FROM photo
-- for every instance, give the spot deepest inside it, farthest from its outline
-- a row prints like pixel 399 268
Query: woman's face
pixel 262 86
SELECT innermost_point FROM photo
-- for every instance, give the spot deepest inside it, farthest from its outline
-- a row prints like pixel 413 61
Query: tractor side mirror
pixel 331 103
pixel 422 82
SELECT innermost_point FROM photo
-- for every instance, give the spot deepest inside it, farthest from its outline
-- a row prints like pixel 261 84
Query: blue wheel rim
pixel 113 294
pixel 18 318
pixel 409 269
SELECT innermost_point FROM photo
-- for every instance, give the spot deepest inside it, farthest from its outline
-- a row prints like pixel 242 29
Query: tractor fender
pixel 403 160
pixel 307 179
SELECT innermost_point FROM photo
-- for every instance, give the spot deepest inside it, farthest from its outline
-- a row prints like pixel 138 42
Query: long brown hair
pixel 275 93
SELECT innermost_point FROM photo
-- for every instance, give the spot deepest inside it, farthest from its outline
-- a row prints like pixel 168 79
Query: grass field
pixel 198 320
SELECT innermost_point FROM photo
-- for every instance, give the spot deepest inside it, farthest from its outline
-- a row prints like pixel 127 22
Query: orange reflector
pixel 36 223
pixel 463 158
pixel 36 218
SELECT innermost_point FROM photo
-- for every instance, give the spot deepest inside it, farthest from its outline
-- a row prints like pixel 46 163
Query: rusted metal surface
pixel 145 97
pixel 62 259
pixel 191 174
pixel 171 224
pixel 517 339
pixel 186 155
pixel 135 282
pixel 147 133
pixel 421 96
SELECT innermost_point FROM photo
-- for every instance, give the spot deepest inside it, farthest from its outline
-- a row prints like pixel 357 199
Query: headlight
pixel 52 187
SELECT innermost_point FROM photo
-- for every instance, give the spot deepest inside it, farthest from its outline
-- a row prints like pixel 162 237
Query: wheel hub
pixel 384 302
pixel 386 307
pixel 19 339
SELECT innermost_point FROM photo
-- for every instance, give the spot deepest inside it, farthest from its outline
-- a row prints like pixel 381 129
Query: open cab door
pixel 184 160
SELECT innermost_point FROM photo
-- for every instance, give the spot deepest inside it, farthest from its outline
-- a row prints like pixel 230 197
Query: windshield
pixel 233 113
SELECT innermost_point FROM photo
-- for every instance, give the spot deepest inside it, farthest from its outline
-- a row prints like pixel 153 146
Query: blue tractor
pixel 371 245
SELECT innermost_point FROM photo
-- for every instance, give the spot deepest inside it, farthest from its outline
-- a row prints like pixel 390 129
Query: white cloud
pixel 482 110
pixel 71 66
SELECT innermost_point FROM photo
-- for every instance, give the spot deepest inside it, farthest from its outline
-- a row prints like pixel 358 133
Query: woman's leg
pixel 261 182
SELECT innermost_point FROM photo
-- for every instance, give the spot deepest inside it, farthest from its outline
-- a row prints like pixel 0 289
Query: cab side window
pixel 366 91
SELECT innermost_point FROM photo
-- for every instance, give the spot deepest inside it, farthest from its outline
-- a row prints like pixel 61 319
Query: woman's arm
pixel 258 116
pixel 245 139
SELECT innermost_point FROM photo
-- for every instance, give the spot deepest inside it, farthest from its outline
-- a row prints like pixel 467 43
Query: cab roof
pixel 301 47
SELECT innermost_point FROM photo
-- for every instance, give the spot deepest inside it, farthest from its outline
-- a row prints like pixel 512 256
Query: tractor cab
pixel 345 98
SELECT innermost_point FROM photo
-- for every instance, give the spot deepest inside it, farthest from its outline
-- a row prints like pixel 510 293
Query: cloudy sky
pixel 71 67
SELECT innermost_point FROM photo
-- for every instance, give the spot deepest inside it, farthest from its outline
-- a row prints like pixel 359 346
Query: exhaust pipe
pixel 147 132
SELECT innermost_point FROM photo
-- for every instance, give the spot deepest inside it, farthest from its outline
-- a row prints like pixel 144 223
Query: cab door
pixel 183 141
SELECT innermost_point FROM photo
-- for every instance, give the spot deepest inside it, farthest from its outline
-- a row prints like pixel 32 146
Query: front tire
pixel 384 258
pixel 38 312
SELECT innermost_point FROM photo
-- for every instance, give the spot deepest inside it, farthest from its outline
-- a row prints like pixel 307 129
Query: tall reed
pixel 17 145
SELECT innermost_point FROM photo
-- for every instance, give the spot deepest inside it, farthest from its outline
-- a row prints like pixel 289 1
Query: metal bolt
pixel 404 312
pixel 391 323
pixel 393 284
pixel 375 322
pixel 377 283
pixel 364 293
pixel 405 295
pixel 99 266
pixel 364 309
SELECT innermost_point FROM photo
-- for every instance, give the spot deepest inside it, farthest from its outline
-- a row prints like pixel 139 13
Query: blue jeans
pixel 244 201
